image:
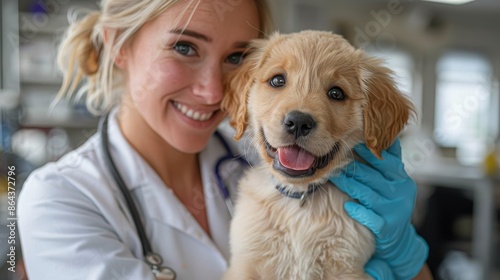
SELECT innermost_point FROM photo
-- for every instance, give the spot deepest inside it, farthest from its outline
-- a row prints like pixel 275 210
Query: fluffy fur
pixel 272 236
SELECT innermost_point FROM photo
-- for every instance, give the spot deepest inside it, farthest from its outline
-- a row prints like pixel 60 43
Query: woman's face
pixel 174 75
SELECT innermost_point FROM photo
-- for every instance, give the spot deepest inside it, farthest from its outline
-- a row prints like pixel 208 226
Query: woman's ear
pixel 121 57
pixel 387 110
pixel 109 38
pixel 237 87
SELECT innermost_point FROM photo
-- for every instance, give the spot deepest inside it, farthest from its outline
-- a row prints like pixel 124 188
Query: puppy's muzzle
pixel 298 124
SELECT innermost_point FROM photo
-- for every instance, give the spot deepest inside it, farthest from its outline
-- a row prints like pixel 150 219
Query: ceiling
pixel 481 6
pixel 486 6
pixel 485 12
pixel 479 13
pixel 26 5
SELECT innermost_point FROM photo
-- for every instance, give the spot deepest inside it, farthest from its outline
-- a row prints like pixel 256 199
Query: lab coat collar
pixel 129 163
pixel 138 174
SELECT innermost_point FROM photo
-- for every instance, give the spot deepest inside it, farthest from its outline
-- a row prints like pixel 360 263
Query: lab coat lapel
pixel 128 162
pixel 159 203
pixel 217 212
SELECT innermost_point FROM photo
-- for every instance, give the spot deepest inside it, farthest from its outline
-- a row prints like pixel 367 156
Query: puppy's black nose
pixel 298 123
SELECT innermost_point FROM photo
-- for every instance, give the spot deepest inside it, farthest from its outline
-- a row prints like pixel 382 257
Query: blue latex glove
pixel 379 270
pixel 386 196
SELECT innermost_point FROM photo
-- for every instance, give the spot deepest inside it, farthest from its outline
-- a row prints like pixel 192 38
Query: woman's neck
pixel 175 168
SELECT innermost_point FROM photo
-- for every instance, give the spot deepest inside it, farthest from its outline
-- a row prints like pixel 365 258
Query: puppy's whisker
pixel 250 148
pixel 249 142
pixel 323 188
pixel 346 151
pixel 311 199
pixel 286 202
pixel 350 156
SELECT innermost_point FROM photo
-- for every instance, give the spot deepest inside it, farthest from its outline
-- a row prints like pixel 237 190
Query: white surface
pixel 452 175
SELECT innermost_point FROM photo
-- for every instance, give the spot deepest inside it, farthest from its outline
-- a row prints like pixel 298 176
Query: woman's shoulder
pixel 242 147
pixel 75 171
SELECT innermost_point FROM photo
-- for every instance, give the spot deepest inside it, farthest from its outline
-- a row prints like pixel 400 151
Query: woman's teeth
pixel 190 113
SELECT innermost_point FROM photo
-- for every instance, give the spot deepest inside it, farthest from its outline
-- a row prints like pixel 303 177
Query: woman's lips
pixel 192 113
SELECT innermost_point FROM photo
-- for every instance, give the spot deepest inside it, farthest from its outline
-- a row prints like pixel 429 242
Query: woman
pixel 160 64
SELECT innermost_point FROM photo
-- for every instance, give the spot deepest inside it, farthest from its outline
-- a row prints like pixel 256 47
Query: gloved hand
pixel 379 270
pixel 386 196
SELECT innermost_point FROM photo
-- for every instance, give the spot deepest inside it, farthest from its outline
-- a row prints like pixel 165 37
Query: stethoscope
pixel 227 170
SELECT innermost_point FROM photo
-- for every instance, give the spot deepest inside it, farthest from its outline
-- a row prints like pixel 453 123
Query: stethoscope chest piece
pixel 164 273
pixel 160 272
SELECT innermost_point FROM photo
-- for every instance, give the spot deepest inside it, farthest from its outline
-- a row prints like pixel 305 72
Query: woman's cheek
pixel 162 80
pixel 172 76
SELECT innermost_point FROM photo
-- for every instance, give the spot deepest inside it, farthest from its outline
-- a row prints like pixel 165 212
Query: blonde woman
pixel 156 67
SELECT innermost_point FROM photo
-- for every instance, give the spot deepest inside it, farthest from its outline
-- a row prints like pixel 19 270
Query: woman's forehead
pixel 214 15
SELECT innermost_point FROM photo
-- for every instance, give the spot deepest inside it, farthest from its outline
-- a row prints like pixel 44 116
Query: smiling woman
pixel 156 67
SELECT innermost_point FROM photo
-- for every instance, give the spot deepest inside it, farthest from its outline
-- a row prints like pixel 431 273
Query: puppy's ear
pixel 237 86
pixel 387 110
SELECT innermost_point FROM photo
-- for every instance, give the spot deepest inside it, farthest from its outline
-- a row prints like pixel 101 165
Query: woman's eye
pixel 277 81
pixel 235 58
pixel 336 93
pixel 184 49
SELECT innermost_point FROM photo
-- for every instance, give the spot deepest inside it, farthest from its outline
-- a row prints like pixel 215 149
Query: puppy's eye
pixel 336 93
pixel 277 81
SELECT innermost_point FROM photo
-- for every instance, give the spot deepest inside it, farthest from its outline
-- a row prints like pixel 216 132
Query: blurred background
pixel 446 57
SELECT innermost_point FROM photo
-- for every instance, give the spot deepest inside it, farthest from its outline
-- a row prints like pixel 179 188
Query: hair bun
pixel 89 60
pixel 88 52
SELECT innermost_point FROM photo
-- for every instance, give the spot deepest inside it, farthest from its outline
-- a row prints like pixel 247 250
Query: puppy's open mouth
pixel 295 161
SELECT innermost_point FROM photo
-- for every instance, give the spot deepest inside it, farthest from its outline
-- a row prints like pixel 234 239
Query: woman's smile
pixel 196 118
pixel 191 113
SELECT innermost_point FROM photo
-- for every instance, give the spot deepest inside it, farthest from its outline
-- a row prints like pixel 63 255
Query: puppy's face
pixel 309 97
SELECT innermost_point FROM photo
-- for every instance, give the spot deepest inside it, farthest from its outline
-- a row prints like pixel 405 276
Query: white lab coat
pixel 74 222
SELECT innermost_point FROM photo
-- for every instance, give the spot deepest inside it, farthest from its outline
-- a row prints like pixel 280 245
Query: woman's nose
pixel 209 86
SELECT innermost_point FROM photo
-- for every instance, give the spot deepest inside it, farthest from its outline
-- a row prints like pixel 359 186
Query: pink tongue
pixel 295 158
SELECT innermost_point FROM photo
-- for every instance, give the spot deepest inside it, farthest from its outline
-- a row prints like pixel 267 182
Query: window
pixel 463 112
pixel 401 64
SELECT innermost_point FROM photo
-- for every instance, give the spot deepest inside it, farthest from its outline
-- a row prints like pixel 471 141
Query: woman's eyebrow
pixel 197 35
pixel 242 45
pixel 191 33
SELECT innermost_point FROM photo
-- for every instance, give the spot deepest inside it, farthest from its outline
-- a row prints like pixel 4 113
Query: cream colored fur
pixel 272 237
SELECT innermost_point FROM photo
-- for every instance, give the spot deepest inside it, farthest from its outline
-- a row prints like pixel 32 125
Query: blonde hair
pixel 88 64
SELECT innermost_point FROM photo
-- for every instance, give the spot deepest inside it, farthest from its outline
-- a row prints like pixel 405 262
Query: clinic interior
pixel 446 58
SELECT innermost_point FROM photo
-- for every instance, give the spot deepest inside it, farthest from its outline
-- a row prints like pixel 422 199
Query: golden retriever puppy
pixel 307 98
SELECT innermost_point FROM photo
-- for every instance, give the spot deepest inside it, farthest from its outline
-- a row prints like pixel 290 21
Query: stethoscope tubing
pixel 151 258
pixel 146 246
pixel 220 183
